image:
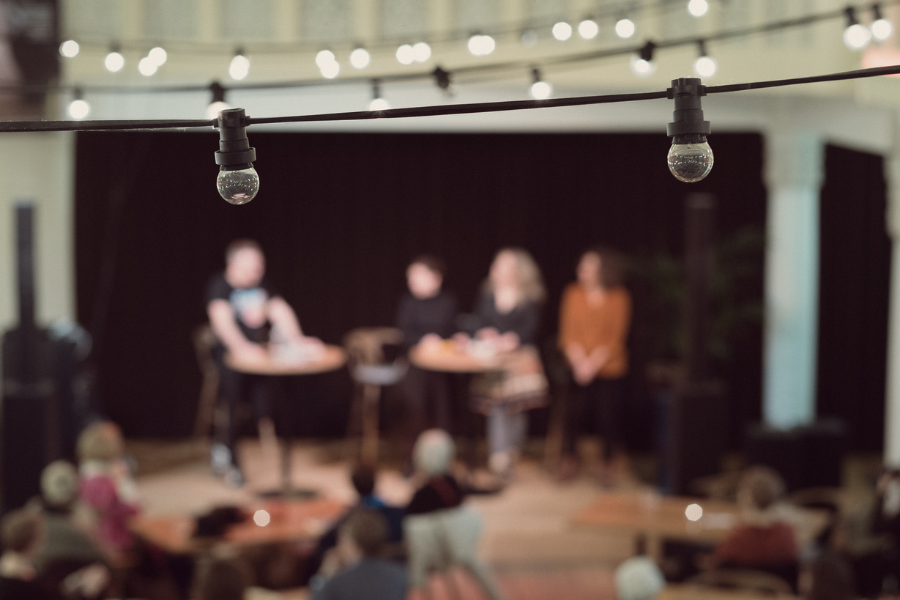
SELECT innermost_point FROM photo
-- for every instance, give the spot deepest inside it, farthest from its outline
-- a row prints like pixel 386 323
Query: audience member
pixel 595 315
pixel 426 315
pixel 354 570
pixel 828 578
pixel 508 315
pixel 433 456
pixel 638 578
pixel 221 579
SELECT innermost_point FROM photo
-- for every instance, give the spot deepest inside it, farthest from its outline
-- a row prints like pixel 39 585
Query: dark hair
pixel 611 273
pixel 764 486
pixel 368 528
pixel 832 579
pixel 20 529
pixel 363 478
pixel 241 244
pixel 222 579
pixel 430 262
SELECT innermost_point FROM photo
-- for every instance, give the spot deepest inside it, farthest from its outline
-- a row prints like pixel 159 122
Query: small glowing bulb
pixel 881 29
pixel 158 55
pixel 360 58
pixel 698 8
pixel 481 45
pixel 240 67
pixel 421 52
pixel 562 31
pixel 406 55
pixel 693 512
pixel 379 104
pixel 625 28
pixel 641 67
pixel 705 66
pixel 238 187
pixel 69 48
pixel 79 109
pixel 262 518
pixel 690 162
pixel 147 67
pixel 214 108
pixel 541 90
pixel 114 62
pixel 330 70
pixel 857 37
pixel 325 57
pixel 588 29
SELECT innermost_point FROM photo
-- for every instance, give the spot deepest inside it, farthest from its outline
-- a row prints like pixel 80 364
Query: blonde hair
pixel 100 441
pixel 530 282
pixel 434 451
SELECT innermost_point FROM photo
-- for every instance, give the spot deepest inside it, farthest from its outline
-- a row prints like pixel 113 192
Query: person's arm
pixel 619 324
pixel 568 343
pixel 221 318
pixel 282 317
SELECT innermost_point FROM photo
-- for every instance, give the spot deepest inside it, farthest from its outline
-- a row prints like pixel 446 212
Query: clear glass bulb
pixel 421 52
pixel 238 187
pixel 360 58
pixel 857 37
pixel 881 29
pixel 379 104
pixel 562 31
pixel 69 48
pixel 588 29
pixel 541 90
pixel 625 28
pixel 114 62
pixel 690 162
pixel 698 8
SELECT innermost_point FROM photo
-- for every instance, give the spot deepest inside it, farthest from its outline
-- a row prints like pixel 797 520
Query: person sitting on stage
pixel 245 311
pixel 762 540
pixel 426 315
pixel 107 486
pixel 433 456
pixel 354 569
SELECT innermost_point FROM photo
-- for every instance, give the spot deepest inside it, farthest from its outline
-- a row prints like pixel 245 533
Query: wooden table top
pixel 331 358
pixel 693 592
pixel 665 516
pixel 289 521
pixel 447 357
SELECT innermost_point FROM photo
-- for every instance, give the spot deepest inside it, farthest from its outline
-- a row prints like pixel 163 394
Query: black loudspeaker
pixel 806 457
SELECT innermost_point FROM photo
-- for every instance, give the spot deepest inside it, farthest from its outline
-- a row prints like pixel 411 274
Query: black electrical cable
pixel 430 111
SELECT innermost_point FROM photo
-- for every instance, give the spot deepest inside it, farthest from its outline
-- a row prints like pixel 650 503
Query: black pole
pixel 699 265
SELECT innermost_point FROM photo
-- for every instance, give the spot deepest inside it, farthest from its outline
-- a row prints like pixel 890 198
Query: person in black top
pixel 426 315
pixel 507 318
pixel 245 312
pixel 439 490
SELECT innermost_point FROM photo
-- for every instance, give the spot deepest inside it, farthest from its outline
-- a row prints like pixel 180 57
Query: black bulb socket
pixel 234 152
pixel 687 126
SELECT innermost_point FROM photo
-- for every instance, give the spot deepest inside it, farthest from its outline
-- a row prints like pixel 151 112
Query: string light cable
pixel 236 155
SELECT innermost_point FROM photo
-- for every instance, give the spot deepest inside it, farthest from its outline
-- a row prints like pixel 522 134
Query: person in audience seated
pixel 638 578
pixel 829 577
pixel 761 540
pixel 221 579
pixel 107 487
pixel 354 569
pixel 433 456
pixel 245 312
pixel 426 315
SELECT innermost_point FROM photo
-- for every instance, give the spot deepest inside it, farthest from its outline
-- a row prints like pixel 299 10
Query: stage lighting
pixel 360 58
pixel 238 181
pixel 378 102
pixel 690 158
pixel 642 63
pixel 158 55
pixel 69 48
pixel 114 61
pixel 705 66
pixel 540 89
pixel 625 28
pixel 588 29
pixel 562 31
pixel 78 107
pixel 856 36
pixel 240 65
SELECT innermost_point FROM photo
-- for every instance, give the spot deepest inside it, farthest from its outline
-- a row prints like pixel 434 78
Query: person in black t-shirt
pixel 245 312
pixel 426 315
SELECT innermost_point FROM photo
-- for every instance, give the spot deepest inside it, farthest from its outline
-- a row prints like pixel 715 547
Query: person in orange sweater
pixel 595 315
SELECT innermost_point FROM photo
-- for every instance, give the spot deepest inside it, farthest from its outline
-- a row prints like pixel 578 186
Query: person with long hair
pixel 508 316
pixel 595 315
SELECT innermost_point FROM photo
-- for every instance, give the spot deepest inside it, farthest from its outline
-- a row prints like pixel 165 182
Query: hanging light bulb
pixel 78 107
pixel 481 45
pixel 881 28
pixel 705 66
pixel 69 48
pixel 360 58
pixel 625 28
pixel 856 36
pixel 442 80
pixel 378 102
pixel 540 89
pixel 217 104
pixel 642 63
pixel 240 65
pixel 406 55
pixel 238 181
pixel 114 61
pixel 562 31
pixel 330 70
pixel 698 8
pixel 588 29
pixel 690 158
pixel 158 55
pixel 323 57
pixel 421 52
pixel 147 66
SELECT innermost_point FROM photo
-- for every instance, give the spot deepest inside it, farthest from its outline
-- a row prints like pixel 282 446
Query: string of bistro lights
pixel 690 158
pixel 856 36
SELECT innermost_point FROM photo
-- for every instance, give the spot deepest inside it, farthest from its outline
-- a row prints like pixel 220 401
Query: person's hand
pixel 461 340
pixel 312 341
pixel 250 353
pixel 507 342
pixel 430 339
pixel 583 371
pixel 87 582
pixel 487 334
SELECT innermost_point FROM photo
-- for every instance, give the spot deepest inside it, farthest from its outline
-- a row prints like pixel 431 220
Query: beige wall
pixel 38 166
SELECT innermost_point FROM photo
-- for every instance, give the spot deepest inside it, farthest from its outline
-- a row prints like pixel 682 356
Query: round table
pixel 447 357
pixel 331 358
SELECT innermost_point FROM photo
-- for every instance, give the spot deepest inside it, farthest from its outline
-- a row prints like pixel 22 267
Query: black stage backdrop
pixel 340 215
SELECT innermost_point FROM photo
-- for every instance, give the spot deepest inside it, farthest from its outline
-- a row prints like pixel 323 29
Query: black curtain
pixel 340 215
pixel 854 287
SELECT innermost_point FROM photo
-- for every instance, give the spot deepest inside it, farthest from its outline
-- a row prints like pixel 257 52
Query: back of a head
pixel 221 580
pixel 368 530
pixel 761 487
pixel 434 452
pixel 638 578
pixel 363 478
pixel 832 579
pixel 101 441
pixel 20 529
pixel 241 244
pixel 59 484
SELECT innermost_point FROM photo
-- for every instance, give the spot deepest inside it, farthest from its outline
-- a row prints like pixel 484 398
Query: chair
pixel 204 340
pixel 743 579
pixel 369 369
pixel 442 540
